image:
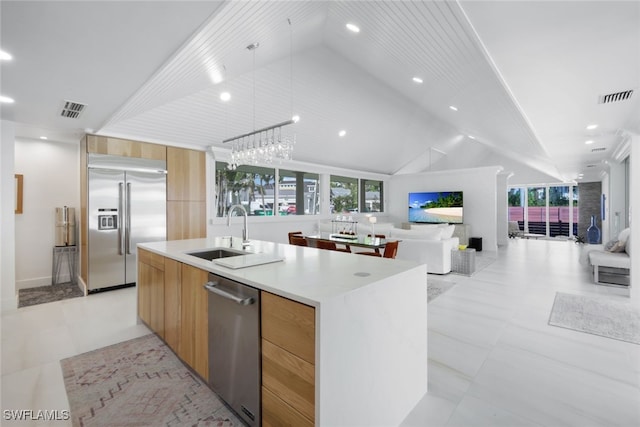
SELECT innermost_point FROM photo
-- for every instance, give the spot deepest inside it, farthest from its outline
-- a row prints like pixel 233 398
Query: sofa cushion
pixel 428 233
pixel 627 246
pixel 609 259
pixel 624 235
pixel 447 230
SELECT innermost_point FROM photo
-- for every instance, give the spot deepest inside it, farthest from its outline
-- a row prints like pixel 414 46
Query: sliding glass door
pixel 546 210
pixel 536 213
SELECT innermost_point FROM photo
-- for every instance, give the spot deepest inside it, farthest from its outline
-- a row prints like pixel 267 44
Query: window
pixel 344 194
pixel 559 216
pixel 298 193
pixel 371 195
pixel 516 206
pixel 250 186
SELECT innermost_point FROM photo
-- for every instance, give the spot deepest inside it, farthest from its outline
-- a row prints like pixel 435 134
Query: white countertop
pixel 307 275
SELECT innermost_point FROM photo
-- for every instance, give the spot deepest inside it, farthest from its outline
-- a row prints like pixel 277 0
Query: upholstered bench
pixel 612 264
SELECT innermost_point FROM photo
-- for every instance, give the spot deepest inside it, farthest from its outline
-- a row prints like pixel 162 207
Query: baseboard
pixel 40 281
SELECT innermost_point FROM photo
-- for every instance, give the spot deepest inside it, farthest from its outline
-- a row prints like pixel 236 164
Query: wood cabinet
pixel 186 194
pixel 288 361
pixel 193 345
pixel 186 177
pixel 186 220
pixel 172 300
pixel 125 148
pixel 151 295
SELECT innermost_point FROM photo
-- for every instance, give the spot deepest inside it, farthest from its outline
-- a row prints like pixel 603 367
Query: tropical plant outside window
pixel 251 186
pixel 344 194
pixel 371 196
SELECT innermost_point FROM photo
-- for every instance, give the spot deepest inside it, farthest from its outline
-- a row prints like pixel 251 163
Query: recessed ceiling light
pixel 353 27
pixel 43 137
pixel 471 137
pixel 589 142
pixel 6 99
pixel 295 118
pixel 592 127
pixel 417 79
pixel 342 133
pixel 5 56
pixel 225 96
pixel 453 107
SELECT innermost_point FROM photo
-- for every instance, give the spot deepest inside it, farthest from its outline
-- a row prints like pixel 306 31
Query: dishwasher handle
pixel 212 287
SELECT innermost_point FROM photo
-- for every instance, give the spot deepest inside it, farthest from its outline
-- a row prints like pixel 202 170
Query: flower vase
pixel 593 232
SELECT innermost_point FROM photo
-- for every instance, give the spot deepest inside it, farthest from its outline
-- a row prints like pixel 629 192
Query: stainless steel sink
pixel 215 253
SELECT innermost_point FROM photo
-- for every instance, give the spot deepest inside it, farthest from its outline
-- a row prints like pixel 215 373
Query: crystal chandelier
pixel 261 146
pixel 267 144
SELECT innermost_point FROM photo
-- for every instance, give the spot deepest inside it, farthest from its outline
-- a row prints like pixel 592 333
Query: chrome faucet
pixel 245 231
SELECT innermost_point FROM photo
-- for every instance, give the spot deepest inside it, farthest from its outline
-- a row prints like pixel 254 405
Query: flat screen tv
pixel 436 207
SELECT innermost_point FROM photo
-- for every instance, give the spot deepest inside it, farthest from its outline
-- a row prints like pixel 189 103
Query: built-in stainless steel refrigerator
pixel 127 205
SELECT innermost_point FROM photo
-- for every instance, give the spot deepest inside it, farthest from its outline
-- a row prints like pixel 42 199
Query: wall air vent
pixel 614 97
pixel 596 150
pixel 72 109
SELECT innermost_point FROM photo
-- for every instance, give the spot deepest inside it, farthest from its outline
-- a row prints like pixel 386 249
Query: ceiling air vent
pixel 596 150
pixel 614 97
pixel 72 109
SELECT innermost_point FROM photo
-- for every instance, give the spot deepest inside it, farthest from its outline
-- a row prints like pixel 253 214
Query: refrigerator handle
pixel 120 225
pixel 127 231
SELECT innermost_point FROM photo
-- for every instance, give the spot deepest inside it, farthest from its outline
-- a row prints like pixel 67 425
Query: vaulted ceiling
pixel 525 77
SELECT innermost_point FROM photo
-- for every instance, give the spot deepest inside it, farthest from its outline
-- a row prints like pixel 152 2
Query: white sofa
pixel 427 244
pixel 613 257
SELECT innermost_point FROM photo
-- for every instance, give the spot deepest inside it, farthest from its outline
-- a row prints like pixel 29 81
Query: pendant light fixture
pixel 269 143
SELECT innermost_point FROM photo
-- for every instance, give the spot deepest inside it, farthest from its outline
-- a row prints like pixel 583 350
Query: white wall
pixel 480 197
pixel 7 217
pixel 634 223
pixel 502 206
pixel 606 190
pixel 51 179
pixel 616 197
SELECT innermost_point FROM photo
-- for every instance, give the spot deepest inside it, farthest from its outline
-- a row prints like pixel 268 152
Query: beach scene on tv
pixel 436 207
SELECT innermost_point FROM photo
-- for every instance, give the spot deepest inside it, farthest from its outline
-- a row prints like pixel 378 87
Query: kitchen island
pixel 365 318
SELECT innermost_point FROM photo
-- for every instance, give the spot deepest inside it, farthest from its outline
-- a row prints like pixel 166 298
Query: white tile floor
pixel 493 359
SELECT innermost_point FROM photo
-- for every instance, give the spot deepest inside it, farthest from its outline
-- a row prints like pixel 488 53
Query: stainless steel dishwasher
pixel 234 345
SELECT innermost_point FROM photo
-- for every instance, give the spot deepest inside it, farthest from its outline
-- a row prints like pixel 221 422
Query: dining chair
pixel 390 251
pixel 294 233
pixel 297 240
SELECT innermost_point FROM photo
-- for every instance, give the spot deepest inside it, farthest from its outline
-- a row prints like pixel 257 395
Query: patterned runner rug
pixel 49 293
pixel 139 382
pixel 436 287
pixel 596 315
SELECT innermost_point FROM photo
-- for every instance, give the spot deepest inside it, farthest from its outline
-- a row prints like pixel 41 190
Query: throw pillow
pixel 624 235
pixel 617 247
pixel 609 245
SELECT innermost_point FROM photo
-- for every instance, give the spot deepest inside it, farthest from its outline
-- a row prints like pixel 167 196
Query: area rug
pixel 596 315
pixel 139 382
pixel 49 293
pixel 436 287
